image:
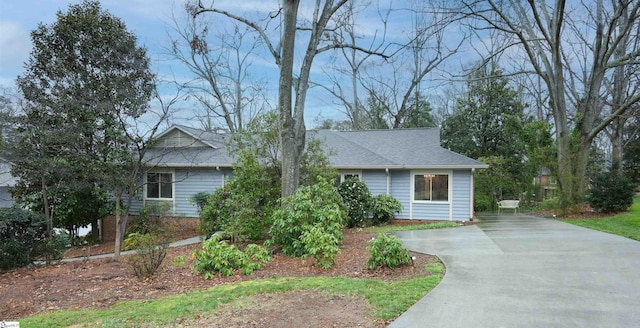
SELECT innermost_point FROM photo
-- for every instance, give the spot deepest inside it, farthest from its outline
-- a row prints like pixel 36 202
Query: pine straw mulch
pixel 100 283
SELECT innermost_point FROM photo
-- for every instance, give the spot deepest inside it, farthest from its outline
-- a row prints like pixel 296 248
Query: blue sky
pixel 150 21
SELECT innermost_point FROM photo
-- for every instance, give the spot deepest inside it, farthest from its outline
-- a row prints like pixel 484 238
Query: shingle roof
pixel 401 148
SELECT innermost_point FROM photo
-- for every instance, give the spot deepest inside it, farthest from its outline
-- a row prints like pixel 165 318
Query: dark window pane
pixel 440 188
pixel 166 186
pixel 153 187
pixel 421 188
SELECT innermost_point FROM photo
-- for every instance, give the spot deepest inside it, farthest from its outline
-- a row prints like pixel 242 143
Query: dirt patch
pixel 104 282
pixel 312 309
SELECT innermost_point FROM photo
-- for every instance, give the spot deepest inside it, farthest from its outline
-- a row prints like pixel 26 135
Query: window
pixel 431 187
pixel 159 185
pixel 350 175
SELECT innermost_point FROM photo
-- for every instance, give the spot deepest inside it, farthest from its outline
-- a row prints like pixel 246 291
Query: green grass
pixel 625 224
pixel 388 299
pixel 426 226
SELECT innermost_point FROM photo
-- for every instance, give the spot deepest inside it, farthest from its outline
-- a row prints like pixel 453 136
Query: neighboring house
pixel 547 183
pixel 6 182
pixel 431 182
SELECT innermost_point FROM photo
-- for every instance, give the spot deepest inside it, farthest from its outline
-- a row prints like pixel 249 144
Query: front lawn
pixel 624 224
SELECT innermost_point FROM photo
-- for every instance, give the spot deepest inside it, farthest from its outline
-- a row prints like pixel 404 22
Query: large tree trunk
pixel 290 154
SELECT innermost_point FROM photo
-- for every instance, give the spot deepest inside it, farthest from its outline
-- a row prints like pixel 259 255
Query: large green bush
pixel 21 231
pixel 359 202
pixel 217 256
pixel 387 251
pixel 384 209
pixel 611 192
pixel 243 207
pixel 311 206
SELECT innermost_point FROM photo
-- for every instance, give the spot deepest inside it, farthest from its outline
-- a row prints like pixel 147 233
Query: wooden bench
pixel 509 204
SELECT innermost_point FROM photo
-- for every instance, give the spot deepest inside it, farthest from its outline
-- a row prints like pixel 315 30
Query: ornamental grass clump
pixel 387 251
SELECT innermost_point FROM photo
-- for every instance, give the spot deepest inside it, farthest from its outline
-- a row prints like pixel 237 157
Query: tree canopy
pixel 86 76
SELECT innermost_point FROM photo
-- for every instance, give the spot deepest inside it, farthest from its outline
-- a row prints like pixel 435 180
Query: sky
pixel 151 22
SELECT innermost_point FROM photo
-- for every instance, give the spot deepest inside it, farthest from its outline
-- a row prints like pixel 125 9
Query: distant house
pixel 6 182
pixel 431 182
pixel 547 184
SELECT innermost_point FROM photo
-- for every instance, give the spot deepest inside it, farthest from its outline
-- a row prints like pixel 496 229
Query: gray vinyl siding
pixel 400 190
pixel 188 182
pixel 462 195
pixel 376 181
pixel 431 211
pixel 5 197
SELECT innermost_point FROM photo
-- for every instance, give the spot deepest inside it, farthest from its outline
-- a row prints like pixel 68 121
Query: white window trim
pixel 173 185
pixel 350 172
pixel 438 172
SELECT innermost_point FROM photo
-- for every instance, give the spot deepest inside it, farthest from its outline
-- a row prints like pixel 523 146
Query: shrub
pixel 199 200
pixel 387 251
pixel 359 202
pixel 149 220
pixel 217 256
pixel 20 232
pixel 320 244
pixel 52 250
pixel 318 204
pixel 385 208
pixel 483 202
pixel 611 192
pixel 243 207
pixel 150 251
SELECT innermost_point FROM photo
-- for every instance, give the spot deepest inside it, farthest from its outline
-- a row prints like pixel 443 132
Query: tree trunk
pixel 121 225
pixel 290 157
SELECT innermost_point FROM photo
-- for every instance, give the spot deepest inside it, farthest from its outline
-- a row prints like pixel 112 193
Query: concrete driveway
pixel 523 271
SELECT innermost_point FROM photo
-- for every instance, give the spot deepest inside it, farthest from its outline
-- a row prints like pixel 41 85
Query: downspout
pixel 473 171
pixel 222 177
pixel 388 181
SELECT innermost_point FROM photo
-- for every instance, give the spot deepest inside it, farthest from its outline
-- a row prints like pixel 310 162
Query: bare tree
pixel 622 85
pixel 395 98
pixel 10 109
pixel 349 63
pixel 140 135
pixel 558 39
pixel 221 62
pixel 320 27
